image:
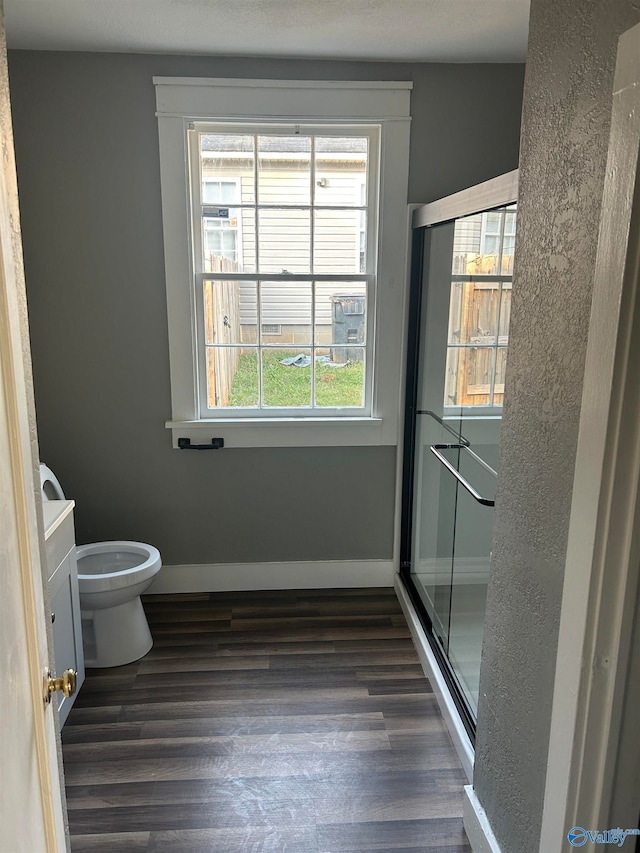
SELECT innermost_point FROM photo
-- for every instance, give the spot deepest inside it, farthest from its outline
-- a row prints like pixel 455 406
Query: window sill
pixel 286 432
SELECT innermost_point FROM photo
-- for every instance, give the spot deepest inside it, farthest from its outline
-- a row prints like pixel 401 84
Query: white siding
pixel 467 235
pixel 289 304
pixel 285 238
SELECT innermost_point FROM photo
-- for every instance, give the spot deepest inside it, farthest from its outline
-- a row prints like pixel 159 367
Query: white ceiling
pixel 403 30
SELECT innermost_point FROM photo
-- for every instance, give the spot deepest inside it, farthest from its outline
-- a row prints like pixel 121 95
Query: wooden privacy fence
pixel 222 326
pixel 479 317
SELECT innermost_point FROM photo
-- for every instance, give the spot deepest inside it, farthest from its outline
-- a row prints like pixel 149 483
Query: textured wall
pixel 566 115
pixel 87 152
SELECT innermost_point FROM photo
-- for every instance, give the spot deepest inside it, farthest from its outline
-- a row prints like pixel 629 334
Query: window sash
pixel 285 411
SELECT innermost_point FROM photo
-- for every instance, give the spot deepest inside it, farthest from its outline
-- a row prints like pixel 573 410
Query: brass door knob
pixel 66 684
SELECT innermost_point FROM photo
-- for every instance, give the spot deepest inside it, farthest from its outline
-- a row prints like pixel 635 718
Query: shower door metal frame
pixel 490 195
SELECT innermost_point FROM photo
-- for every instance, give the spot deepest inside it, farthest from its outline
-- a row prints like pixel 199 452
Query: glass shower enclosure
pixel 462 268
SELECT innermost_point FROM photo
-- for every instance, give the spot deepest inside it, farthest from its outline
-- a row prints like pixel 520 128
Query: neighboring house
pixel 287 173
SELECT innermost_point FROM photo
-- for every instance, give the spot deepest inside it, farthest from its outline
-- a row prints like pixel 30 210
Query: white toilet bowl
pixel 111 578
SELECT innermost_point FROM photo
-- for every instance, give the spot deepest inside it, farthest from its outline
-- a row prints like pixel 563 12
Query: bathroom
pixel 306 516
pixel 285 517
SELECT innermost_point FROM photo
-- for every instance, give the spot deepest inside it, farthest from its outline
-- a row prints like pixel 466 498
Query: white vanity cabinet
pixel 64 597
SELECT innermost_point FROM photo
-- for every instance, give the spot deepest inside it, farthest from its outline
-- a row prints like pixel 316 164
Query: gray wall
pixel 566 116
pixel 87 153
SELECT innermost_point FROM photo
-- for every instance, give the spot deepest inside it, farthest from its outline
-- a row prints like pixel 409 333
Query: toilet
pixel 111 578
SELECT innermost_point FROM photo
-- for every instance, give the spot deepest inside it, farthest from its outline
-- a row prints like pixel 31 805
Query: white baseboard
pixel 442 693
pixel 468 570
pixel 239 577
pixel 476 824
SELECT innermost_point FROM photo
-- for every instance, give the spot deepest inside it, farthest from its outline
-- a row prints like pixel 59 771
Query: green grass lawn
pixel 286 385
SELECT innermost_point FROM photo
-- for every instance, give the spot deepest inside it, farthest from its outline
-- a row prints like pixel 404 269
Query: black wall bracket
pixel 216 444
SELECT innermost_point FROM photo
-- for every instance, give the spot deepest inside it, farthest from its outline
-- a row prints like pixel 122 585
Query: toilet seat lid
pixel 47 477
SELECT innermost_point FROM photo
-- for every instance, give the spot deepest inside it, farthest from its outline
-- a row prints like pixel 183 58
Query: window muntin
pixel 300 207
pixel 480 308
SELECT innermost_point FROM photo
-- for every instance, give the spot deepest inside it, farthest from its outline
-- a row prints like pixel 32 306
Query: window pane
pixel 287 307
pixel 493 221
pixel 505 312
pixel 473 312
pixel 286 377
pixel 284 170
pixel 510 220
pixel 468 376
pixel 339 384
pixel 341 315
pixel 230 312
pixel 221 246
pixel 338 241
pixel 215 191
pixel 284 241
pixel 232 377
pixel 508 249
pixel 341 170
pixel 227 168
pixel 466 244
pixel 501 368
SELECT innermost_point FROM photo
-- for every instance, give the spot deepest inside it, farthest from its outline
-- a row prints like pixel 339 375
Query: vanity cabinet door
pixel 67 631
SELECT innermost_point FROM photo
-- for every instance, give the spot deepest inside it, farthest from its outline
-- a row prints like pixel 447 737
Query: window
pixel 276 335
pixel 220 223
pixel 480 308
pixel 295 205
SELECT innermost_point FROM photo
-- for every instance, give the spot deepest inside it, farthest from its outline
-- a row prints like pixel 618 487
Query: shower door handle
pixel 436 448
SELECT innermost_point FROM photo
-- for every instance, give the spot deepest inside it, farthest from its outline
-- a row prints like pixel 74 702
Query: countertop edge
pixel 54 513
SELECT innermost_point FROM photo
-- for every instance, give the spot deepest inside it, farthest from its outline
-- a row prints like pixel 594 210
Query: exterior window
pixel 300 204
pixel 220 222
pixel 285 258
pixel 480 308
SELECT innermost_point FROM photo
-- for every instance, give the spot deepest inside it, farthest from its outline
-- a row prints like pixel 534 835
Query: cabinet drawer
pixel 59 544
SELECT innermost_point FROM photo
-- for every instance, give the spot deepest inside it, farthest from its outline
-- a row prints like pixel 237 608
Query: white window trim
pixel 181 101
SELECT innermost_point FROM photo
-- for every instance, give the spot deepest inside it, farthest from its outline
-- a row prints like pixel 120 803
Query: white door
pixel 31 818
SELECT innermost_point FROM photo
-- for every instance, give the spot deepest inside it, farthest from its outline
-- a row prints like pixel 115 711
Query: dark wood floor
pixel 272 721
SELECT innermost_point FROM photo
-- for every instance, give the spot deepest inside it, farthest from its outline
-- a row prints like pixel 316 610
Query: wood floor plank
pixel 361 660
pixel 110 842
pixel 301 839
pixel 425 834
pixel 285 720
pixel 298 635
pixel 247 811
pixel 297 622
pixel 239 765
pixel 236 726
pixel 307 703
pixel 202 664
pixel 91 733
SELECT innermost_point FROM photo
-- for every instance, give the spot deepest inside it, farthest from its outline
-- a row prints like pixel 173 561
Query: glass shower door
pixel 457 361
